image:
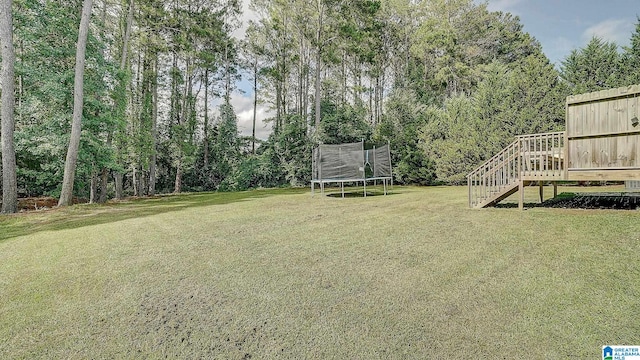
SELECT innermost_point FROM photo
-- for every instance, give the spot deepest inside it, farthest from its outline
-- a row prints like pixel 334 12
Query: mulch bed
pixel 43 202
pixel 605 200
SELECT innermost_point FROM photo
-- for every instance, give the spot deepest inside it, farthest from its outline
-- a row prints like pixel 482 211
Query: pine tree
pixel 78 98
pixel 9 177
pixel 592 68
pixel 631 59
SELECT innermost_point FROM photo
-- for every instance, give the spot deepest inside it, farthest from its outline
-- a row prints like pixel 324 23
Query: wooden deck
pixel 538 157
pixel 602 142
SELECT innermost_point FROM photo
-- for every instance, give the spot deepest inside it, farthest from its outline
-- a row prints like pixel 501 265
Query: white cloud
pixel 243 103
pixel 246 16
pixel 243 107
pixel 615 30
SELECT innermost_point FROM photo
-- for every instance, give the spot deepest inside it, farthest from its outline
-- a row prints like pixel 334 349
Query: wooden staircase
pixel 537 157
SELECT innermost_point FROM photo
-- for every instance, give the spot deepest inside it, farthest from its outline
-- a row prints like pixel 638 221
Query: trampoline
pixel 351 163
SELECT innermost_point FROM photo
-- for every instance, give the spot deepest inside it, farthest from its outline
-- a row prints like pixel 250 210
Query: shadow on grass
pixel 610 200
pixel 94 214
pixel 356 194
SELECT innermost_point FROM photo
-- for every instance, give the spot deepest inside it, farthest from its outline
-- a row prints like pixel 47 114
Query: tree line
pixel 110 98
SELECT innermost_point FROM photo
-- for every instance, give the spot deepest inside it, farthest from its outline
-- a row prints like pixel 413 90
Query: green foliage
pixel 46 35
pixel 630 62
pixel 455 38
pixel 592 68
pixel 446 83
pixel 535 97
pixel 526 99
pixel 400 126
pixel 452 138
pixel 294 149
pixel 253 172
pixel 227 147
pixel 343 124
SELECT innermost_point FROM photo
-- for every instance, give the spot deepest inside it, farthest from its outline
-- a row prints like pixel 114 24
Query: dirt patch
pixel 36 203
pixel 42 203
pixel 195 325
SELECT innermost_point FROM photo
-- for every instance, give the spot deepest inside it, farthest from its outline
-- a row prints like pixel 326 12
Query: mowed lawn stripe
pixel 282 274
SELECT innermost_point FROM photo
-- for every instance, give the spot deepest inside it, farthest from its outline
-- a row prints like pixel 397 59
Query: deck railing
pixel 494 175
pixel 529 157
pixel 543 156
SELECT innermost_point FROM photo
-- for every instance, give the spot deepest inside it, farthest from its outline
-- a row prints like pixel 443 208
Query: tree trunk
pixel 317 91
pixel 154 129
pixel 134 175
pixel 9 178
pixel 104 177
pixel 74 142
pixel 127 35
pixel 278 113
pixel 344 78
pixel 177 186
pixel 117 176
pixel 93 192
pixel 305 102
pixel 300 74
pixel 255 105
pixel 318 66
pixel 183 118
pixel 205 127
pixel 227 65
pixel 142 182
pixel 20 92
pixel 372 94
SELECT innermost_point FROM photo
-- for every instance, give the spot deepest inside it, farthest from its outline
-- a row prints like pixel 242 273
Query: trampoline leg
pixel 365 187
pixel 384 185
pixel 342 187
pixel 312 188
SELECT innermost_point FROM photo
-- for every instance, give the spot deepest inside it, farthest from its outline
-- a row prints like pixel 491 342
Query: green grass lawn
pixel 279 274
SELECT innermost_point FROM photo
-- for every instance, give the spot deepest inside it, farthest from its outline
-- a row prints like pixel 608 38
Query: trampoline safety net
pixel 350 162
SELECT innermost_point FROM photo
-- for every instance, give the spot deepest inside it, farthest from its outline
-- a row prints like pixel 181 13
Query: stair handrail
pixel 487 173
pixel 495 157
pixel 512 163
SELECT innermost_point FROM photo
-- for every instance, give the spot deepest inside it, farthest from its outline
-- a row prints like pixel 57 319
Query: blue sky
pixel 563 25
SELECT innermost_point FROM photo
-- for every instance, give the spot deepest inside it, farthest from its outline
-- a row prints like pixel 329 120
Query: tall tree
pixel 66 195
pixel 9 181
pixel 529 98
pixel 631 59
pixel 253 55
pixel 592 68
pixel 120 98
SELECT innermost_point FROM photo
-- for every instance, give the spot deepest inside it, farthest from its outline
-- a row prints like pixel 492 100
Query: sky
pixel 559 25
pixel 564 25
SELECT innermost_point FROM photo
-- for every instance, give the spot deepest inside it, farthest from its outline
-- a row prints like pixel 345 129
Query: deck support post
pixel 521 193
pixel 541 185
pixel 555 189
